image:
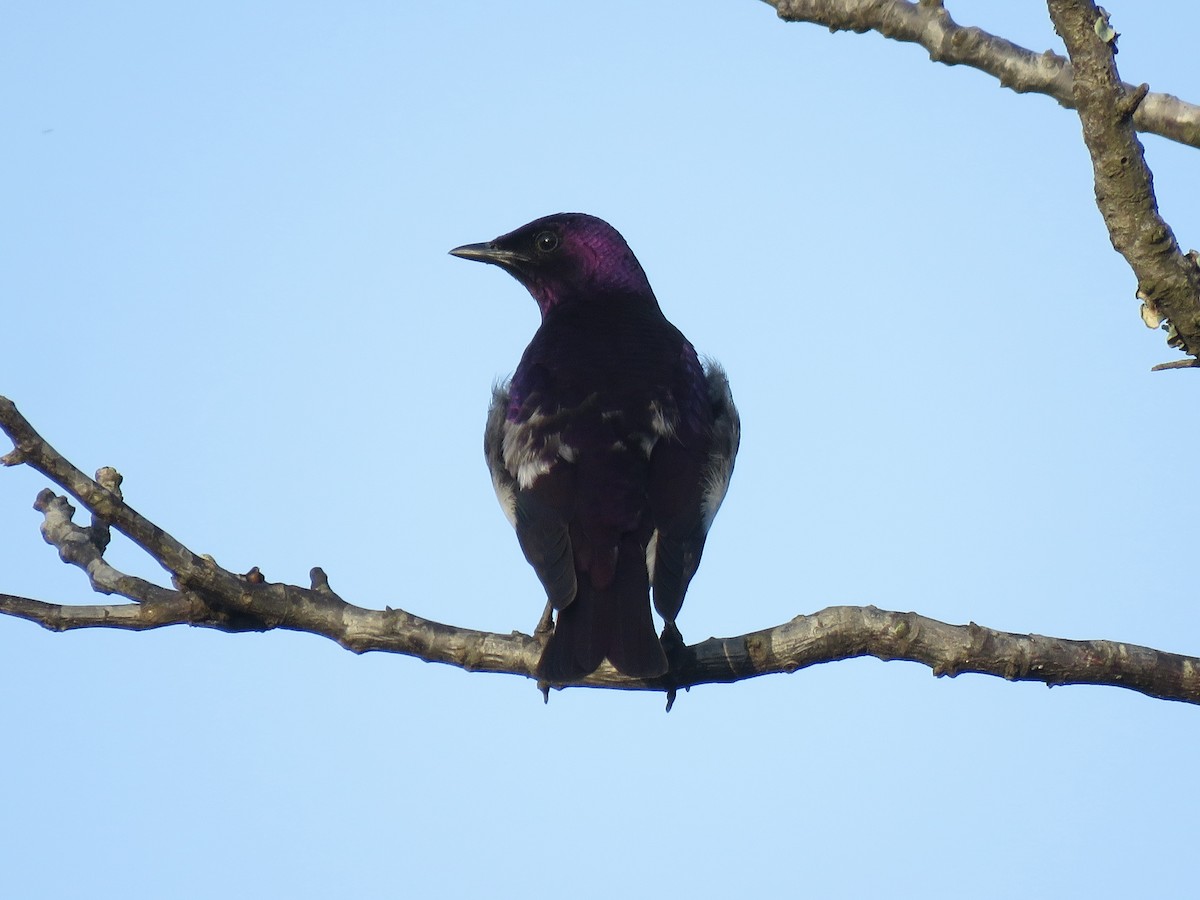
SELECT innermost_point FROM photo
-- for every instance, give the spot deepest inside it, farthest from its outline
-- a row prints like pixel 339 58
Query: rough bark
pixel 206 595
pixel 1168 279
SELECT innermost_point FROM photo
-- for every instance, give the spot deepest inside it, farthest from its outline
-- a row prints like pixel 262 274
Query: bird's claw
pixel 673 645
pixel 545 625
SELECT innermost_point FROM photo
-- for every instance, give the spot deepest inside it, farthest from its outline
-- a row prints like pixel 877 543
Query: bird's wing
pixel 689 479
pixel 504 482
pixel 532 488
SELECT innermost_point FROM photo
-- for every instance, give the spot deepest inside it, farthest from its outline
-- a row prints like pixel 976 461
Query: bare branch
pixel 227 602
pixel 175 610
pixel 835 633
pixel 84 548
pixel 928 24
pixel 106 503
pixel 1190 363
pixel 1168 280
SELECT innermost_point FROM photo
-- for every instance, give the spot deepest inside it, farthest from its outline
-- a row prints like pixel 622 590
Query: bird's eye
pixel 546 242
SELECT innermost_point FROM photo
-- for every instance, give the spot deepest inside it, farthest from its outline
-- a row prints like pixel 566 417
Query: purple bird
pixel 610 448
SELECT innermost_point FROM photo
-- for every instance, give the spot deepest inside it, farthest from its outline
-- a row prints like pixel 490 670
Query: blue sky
pixel 223 258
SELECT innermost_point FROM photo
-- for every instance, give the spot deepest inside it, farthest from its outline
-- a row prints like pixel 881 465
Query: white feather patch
pixel 726 435
pixel 652 554
pixel 716 484
pixel 524 456
pixel 662 423
pixel 507 498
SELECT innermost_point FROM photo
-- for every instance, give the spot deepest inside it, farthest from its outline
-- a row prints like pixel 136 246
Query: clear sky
pixel 223 269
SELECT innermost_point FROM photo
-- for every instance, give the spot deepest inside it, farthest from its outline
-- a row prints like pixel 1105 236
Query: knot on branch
pixel 1132 100
pixel 319 582
pixel 75 545
pixel 110 479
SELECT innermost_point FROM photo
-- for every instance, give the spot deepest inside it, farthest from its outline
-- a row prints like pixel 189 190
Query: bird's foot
pixel 678 658
pixel 673 645
pixel 545 625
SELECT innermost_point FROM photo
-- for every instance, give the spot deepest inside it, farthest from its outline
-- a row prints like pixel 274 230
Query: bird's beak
pixel 489 253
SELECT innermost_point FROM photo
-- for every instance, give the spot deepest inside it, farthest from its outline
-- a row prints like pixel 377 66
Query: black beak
pixel 489 253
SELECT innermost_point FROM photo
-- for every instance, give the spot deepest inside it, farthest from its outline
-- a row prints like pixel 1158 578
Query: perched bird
pixel 610 448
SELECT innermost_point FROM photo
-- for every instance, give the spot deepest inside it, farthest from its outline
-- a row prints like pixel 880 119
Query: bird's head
pixel 565 257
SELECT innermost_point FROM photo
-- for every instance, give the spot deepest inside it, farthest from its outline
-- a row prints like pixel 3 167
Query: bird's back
pixel 610 448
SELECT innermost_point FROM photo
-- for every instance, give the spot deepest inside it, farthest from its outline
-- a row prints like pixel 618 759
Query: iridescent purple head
pixel 563 257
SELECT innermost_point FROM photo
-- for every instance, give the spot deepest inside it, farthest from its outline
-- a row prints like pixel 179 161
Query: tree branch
pixel 1168 279
pixel 1112 112
pixel 224 601
pixel 176 610
pixel 929 24
pixel 834 633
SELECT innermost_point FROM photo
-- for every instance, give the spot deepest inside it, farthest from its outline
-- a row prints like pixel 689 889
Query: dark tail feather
pixel 630 640
pixel 572 651
pixel 614 623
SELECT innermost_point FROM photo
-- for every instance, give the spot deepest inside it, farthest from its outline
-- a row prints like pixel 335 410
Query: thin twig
pixel 1190 363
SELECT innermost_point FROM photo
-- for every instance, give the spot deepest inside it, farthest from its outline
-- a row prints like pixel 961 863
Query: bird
pixel 610 448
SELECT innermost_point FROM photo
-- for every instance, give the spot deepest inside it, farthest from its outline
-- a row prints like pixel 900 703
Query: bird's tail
pixel 613 622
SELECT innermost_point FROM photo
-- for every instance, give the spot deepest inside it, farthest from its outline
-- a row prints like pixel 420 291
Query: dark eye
pixel 546 242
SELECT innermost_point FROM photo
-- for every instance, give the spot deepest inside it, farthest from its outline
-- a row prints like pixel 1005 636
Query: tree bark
pixel 1168 279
